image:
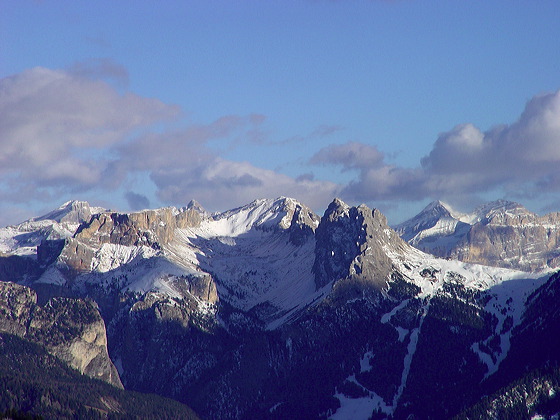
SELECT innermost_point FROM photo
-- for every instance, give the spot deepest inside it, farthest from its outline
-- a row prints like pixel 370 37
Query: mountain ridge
pixel 500 233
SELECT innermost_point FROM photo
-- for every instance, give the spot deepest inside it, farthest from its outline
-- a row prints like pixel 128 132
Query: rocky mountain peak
pixel 352 242
pixel 336 209
pixel 74 212
pixel 283 213
pixel 438 207
pixel 429 217
pixel 196 206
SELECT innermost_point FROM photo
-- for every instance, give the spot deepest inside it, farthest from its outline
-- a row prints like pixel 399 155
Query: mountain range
pixel 501 233
pixel 270 311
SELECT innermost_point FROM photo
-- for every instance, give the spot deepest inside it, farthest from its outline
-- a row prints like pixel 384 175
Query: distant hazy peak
pixel 491 208
pixel 196 206
pixel 73 211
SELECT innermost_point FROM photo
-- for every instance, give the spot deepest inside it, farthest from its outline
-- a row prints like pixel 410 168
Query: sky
pixel 391 103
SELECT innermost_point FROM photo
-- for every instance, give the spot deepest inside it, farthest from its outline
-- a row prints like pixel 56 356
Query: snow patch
pixel 365 365
pixel 359 408
pixel 111 256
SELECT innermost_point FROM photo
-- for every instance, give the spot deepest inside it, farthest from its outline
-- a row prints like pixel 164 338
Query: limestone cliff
pixel 352 243
pixel 71 329
pixel 513 239
pixel 151 228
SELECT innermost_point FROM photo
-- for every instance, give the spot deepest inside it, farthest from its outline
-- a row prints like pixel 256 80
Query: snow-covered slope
pixel 428 218
pixel 60 223
pixel 435 229
pixel 259 256
pixel 253 257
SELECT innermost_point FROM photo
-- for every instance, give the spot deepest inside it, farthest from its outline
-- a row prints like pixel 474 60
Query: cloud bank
pixel 56 128
pixel 70 131
pixel 521 158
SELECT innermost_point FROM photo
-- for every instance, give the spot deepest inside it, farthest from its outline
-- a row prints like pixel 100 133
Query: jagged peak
pixel 336 209
pixel 339 203
pixel 264 214
pixel 427 218
pixel 438 204
pixel 355 242
pixel 73 211
pixel 265 205
pixel 195 205
pixel 439 208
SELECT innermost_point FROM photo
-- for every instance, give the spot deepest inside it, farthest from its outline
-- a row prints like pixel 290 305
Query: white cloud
pixel 55 126
pixel 523 153
pixel 67 132
pixel 521 159
pixel 221 184
pixel 182 167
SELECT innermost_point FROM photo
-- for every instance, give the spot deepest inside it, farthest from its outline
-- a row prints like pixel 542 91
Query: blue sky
pixel 135 104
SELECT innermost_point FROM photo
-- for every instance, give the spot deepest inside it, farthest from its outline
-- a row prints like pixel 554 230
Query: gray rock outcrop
pixel 149 227
pixel 70 329
pixel 512 239
pixel 152 228
pixel 352 242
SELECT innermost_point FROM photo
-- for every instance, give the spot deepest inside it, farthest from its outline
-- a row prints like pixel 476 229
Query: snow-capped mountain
pixel 270 311
pixel 435 229
pixel 500 233
pixel 24 238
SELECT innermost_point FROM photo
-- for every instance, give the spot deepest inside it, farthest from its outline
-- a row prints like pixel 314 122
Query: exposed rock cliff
pixel 352 242
pixel 150 228
pixel 512 238
pixel 71 329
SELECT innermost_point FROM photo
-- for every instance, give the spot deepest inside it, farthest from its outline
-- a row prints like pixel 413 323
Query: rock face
pixel 501 234
pixel 352 243
pixel 149 227
pixel 513 238
pixel 71 329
